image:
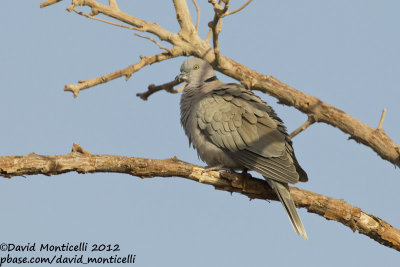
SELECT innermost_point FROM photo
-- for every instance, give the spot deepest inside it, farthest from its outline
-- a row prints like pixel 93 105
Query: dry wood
pixel 81 161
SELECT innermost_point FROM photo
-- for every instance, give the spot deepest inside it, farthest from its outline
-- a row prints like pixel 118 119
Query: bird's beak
pixel 181 77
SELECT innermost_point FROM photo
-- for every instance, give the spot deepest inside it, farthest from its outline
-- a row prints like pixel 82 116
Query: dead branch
pixel 216 25
pixel 169 87
pixel 237 10
pixel 382 119
pixel 113 11
pixel 81 161
pixel 103 20
pixel 127 72
pixel 154 41
pixel 49 3
pixel 184 18
pixel 304 126
pixel 198 14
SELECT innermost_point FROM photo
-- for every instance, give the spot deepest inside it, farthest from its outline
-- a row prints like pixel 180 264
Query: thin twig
pixel 154 41
pixel 49 2
pixel 198 14
pixel 216 26
pixel 216 6
pixel 304 126
pixel 105 21
pixel 237 10
pixel 382 119
pixel 113 4
pixel 169 87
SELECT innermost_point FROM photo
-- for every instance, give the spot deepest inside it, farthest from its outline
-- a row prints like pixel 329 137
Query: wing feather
pixel 240 123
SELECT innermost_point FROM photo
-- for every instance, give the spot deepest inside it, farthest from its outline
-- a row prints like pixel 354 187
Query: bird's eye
pixel 196 67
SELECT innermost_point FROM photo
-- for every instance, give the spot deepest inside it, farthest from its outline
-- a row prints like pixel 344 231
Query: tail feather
pixel 283 194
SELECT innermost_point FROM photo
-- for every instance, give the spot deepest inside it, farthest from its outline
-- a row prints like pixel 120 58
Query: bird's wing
pixel 240 123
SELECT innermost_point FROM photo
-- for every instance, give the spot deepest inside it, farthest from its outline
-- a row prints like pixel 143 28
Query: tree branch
pixel 216 25
pixel 304 126
pixel 154 41
pixel 114 12
pixel 103 20
pixel 169 87
pixel 49 3
pixel 198 14
pixel 382 119
pixel 127 72
pixel 184 18
pixel 81 161
pixel 237 10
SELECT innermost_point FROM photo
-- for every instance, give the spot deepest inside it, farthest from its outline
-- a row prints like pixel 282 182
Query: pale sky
pixel 344 52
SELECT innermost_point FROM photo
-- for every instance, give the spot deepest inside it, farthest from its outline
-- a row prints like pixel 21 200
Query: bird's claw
pixel 213 168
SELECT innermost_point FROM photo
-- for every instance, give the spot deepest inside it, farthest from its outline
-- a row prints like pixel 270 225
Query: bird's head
pixel 196 71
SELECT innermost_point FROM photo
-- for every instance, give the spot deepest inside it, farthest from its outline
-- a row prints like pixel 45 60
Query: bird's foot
pixel 219 167
pixel 245 178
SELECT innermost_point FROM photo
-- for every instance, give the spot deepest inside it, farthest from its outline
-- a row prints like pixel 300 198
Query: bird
pixel 232 128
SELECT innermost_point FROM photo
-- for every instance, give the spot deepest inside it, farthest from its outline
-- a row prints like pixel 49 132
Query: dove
pixel 232 128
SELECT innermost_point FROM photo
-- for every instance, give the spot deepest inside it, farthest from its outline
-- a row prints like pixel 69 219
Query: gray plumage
pixel 229 126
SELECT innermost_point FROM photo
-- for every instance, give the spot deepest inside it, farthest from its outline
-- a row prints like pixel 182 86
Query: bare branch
pixel 79 149
pixel 217 6
pixel 216 25
pixel 382 119
pixel 237 10
pixel 169 87
pixel 304 126
pixel 127 72
pixel 113 11
pixel 113 4
pixel 82 161
pixel 105 21
pixel 198 14
pixel 183 17
pixel 154 41
pixel 49 2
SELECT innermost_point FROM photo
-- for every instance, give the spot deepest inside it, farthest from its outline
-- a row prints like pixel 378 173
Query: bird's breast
pixel 206 150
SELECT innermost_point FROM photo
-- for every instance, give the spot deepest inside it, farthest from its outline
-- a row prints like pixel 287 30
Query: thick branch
pixel 81 161
pixel 183 17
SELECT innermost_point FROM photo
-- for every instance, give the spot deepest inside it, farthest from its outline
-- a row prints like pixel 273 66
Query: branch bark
pixel 127 72
pixel 81 161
